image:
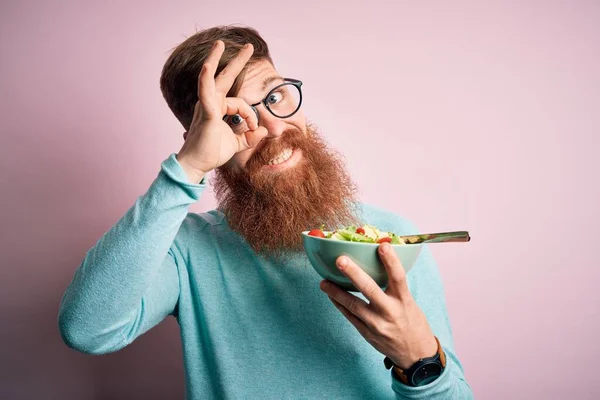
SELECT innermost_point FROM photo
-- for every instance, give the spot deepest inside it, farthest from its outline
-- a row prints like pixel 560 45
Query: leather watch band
pixel 401 374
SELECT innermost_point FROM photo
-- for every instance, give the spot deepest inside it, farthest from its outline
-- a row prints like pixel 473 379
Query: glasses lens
pixel 284 100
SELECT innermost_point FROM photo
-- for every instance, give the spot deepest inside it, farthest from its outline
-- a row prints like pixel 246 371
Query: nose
pixel 275 126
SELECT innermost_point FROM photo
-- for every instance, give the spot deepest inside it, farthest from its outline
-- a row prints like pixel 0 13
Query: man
pixel 256 320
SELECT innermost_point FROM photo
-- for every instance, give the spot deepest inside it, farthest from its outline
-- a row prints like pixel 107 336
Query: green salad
pixel 363 234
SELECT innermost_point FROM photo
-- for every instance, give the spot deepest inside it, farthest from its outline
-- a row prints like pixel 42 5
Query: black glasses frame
pixel 265 101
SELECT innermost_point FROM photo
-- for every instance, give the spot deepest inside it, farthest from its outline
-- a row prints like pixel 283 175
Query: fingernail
pixel 343 262
pixel 384 248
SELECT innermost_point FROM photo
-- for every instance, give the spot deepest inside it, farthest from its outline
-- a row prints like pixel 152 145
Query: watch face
pixel 427 373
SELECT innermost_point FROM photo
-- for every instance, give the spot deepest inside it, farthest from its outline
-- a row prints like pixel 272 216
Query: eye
pixel 274 98
pixel 235 120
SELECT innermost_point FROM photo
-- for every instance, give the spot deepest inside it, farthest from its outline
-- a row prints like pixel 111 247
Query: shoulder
pixel 205 220
pixel 202 236
pixel 197 225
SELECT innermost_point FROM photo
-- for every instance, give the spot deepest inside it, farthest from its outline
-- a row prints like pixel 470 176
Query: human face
pixel 260 78
pixel 269 205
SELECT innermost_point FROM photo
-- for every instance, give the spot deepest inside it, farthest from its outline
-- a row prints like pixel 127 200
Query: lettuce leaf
pixel 350 235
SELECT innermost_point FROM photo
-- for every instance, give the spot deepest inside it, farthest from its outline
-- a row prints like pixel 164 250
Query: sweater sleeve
pixel 451 385
pixel 128 281
pixel 428 290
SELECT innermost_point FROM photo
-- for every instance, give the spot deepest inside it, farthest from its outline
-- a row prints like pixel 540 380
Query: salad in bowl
pixel 360 244
pixel 361 234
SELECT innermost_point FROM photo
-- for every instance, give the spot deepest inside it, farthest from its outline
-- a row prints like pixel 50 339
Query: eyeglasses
pixel 283 101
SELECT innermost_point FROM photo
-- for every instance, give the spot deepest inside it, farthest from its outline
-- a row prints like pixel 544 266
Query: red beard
pixel 271 209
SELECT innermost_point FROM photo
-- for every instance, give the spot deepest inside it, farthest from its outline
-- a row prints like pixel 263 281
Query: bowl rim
pixel 305 233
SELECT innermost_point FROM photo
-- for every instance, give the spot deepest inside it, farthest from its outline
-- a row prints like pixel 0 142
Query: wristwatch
pixel 424 371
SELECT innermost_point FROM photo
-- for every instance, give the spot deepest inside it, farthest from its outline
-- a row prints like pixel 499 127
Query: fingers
pixel 254 134
pixel 224 81
pixel 206 79
pixel 209 86
pixel 253 138
pixel 238 106
pixel 353 304
pixel 361 280
pixel 396 274
pixel 354 320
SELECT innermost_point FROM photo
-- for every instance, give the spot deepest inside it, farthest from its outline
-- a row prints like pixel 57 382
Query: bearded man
pixel 256 320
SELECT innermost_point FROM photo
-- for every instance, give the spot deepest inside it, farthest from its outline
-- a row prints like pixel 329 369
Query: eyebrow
pixel 271 79
pixel 267 81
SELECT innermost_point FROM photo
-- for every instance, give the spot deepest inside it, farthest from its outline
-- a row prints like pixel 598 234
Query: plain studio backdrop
pixel 464 115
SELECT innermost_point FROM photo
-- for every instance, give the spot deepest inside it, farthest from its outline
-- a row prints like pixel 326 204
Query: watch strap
pixel 403 375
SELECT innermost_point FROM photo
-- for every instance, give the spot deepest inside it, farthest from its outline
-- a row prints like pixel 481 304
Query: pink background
pixel 458 115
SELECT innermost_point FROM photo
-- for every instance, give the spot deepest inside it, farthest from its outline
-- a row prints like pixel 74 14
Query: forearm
pixel 106 293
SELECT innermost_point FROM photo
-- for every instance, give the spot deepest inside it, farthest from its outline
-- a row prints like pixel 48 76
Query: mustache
pixel 267 149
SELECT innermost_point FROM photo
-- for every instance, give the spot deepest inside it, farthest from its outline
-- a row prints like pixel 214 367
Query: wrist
pixel 194 175
pixel 422 372
pixel 419 350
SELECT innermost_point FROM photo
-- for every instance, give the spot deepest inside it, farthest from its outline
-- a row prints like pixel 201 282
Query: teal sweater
pixel 250 329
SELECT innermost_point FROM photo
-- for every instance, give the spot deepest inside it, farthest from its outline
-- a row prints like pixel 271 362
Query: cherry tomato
pixel 317 233
pixel 385 240
pixel 360 230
